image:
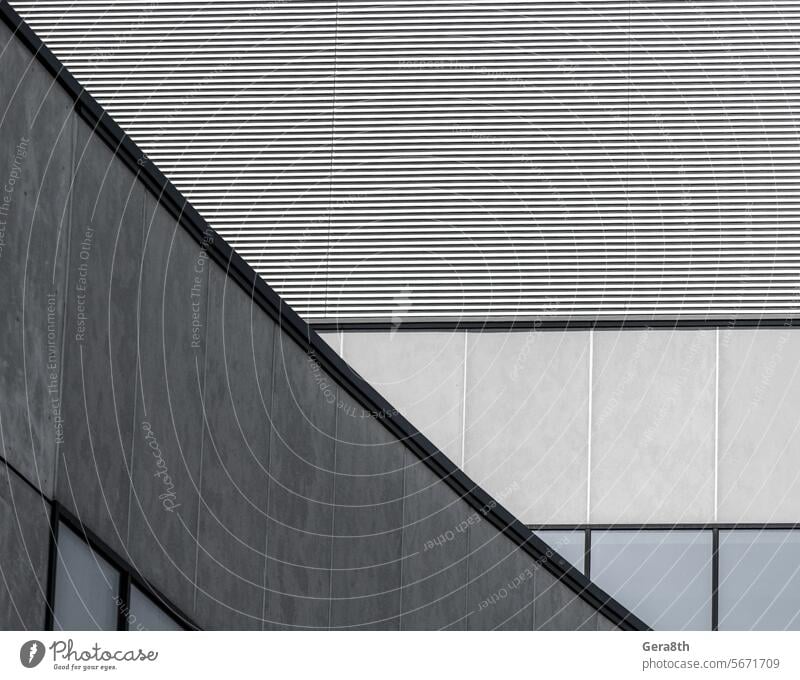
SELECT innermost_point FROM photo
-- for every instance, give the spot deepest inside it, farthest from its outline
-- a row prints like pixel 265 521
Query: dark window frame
pixel 715 528
pixel 128 576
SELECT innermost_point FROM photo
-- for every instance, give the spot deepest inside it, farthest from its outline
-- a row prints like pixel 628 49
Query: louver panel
pixel 471 160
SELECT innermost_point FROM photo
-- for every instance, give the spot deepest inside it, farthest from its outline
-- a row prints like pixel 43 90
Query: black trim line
pixel 722 526
pixel 565 324
pixel 291 323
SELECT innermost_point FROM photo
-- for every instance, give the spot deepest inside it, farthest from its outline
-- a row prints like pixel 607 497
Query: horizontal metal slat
pixel 571 157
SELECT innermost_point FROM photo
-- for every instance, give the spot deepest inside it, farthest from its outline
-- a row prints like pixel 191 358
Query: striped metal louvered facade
pixel 471 160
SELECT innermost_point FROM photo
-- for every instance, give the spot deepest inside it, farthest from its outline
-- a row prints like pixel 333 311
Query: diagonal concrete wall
pixel 209 438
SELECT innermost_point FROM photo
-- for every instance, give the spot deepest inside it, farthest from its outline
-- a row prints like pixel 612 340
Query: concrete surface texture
pixel 198 440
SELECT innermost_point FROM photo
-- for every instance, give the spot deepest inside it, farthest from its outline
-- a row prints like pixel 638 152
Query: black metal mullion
pixel 124 604
pixel 52 564
pixel 587 551
pixel 715 578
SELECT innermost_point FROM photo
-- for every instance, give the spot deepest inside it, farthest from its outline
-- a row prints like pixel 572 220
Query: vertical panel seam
pixel 137 392
pixel 589 430
pixel 265 528
pixel 65 283
pixel 536 568
pixel 333 511
pixel 265 580
pixel 203 433
pixel 403 537
pixel 466 617
pixel 716 425
pixel 464 405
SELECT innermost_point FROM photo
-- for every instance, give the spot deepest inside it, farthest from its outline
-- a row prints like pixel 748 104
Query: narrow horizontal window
pixel 570 544
pixel 759 580
pixel 664 577
pixel 144 614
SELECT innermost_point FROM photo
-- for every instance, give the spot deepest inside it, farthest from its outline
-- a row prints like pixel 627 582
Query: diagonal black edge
pixel 291 323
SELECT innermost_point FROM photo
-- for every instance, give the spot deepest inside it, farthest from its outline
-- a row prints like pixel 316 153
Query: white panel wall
pixel 631 426
pixel 653 396
pixel 759 434
pixel 422 375
pixel 526 428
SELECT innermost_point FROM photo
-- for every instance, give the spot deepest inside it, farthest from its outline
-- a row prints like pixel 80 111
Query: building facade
pixel 561 238
pixel 181 450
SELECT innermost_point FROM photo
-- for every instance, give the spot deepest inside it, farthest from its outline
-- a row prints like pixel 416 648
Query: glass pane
pixel 570 544
pixel 759 580
pixel 664 577
pixel 147 615
pixel 87 586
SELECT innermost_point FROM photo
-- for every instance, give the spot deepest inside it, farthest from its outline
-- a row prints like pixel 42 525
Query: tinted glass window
pixel 759 580
pixel 87 586
pixel 664 577
pixel 569 544
pixel 147 615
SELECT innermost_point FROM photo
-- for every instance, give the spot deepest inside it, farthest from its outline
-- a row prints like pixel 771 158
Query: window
pixel 664 577
pixel 86 586
pixel 759 580
pixel 91 593
pixel 147 615
pixel 570 544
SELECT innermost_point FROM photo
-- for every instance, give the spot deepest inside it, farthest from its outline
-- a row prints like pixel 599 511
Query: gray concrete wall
pixel 24 543
pixel 36 147
pixel 200 442
pixel 609 426
pixel 99 384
